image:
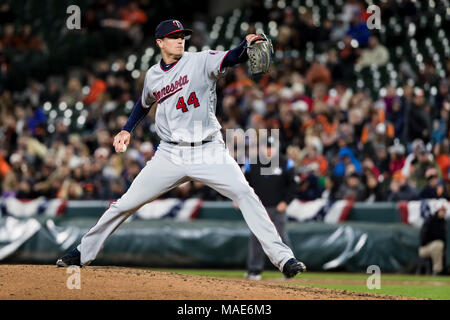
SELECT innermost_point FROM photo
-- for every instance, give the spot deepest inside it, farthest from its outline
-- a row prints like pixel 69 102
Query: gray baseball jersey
pixel 186 96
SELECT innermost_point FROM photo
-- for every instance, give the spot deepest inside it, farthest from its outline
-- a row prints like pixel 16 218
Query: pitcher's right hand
pixel 121 141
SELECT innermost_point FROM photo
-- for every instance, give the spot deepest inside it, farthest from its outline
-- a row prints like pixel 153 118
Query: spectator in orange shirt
pixel 313 154
pixel 318 73
pixel 134 18
pixel 4 166
pixel 441 152
pixel 98 86
pixel 370 129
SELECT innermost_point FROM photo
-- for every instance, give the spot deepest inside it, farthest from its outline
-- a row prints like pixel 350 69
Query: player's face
pixel 173 44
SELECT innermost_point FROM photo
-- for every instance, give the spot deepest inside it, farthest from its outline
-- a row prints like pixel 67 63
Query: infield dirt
pixel 48 282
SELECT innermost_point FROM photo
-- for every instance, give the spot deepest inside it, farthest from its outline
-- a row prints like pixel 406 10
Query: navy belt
pixel 192 144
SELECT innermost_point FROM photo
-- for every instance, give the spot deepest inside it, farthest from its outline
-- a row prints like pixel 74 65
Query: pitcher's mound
pixel 50 282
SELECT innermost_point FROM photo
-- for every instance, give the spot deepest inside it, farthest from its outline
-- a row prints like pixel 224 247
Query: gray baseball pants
pixel 173 165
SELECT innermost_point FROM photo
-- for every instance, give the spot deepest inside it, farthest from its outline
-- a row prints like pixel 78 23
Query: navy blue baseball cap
pixel 168 27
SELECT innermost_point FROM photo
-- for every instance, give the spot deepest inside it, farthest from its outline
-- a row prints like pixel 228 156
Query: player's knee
pixel 123 206
pixel 242 191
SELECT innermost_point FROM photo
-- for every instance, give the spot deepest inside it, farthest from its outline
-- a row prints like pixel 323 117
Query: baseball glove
pixel 259 50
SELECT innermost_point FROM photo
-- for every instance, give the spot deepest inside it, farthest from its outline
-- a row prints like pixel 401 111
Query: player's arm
pixel 237 55
pixel 138 113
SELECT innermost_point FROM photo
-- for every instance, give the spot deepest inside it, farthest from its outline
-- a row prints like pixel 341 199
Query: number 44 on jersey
pixel 191 100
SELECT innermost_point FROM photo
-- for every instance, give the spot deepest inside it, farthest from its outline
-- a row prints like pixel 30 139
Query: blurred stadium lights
pixel 423 21
pixel 354 43
pixel 144 66
pixel 47 106
pixel 433 91
pixel 79 105
pixel 273 33
pixel 411 29
pixel 419 58
pixel 68 113
pixel 129 66
pixel 67 122
pixel 129 105
pixel 52 114
pixel 333 92
pixel 244 26
pixel 62 106
pixel 220 48
pixel 192 49
pixel 81 121
pixel 85 90
pixel 132 58
pixel 115 67
pixel 360 83
pixel 135 74
pixel 214 35
pixel 437 20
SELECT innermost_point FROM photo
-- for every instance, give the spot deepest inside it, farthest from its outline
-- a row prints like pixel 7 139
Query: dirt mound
pixel 50 282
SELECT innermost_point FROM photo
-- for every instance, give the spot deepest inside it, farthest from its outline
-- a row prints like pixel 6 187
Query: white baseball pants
pixel 173 165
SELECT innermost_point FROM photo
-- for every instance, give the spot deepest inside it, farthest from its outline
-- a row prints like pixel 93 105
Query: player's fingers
pixel 126 140
pixel 118 144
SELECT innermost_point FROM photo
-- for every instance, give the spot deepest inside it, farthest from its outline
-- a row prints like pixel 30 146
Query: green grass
pixel 416 291
pixel 425 287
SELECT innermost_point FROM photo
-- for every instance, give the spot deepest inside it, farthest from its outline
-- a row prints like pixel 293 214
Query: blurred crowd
pixel 345 143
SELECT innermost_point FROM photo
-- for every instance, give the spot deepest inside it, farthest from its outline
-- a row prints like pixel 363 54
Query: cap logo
pixel 177 23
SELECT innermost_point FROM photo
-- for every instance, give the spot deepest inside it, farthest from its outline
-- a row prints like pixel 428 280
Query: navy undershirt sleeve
pixel 137 114
pixel 236 55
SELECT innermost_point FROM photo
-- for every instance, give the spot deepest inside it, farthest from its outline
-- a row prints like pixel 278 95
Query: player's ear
pixel 159 43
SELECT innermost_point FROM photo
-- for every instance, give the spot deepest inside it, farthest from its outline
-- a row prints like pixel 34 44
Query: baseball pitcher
pixel 182 88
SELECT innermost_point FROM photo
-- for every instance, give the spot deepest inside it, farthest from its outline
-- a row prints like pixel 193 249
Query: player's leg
pixel 255 258
pixel 227 178
pixel 157 177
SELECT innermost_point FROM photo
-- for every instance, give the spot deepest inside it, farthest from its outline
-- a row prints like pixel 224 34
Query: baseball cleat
pixel 253 276
pixel 293 267
pixel 70 259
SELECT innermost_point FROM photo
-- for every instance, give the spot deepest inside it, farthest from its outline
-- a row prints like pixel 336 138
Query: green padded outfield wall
pixel 386 212
pixel 350 246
